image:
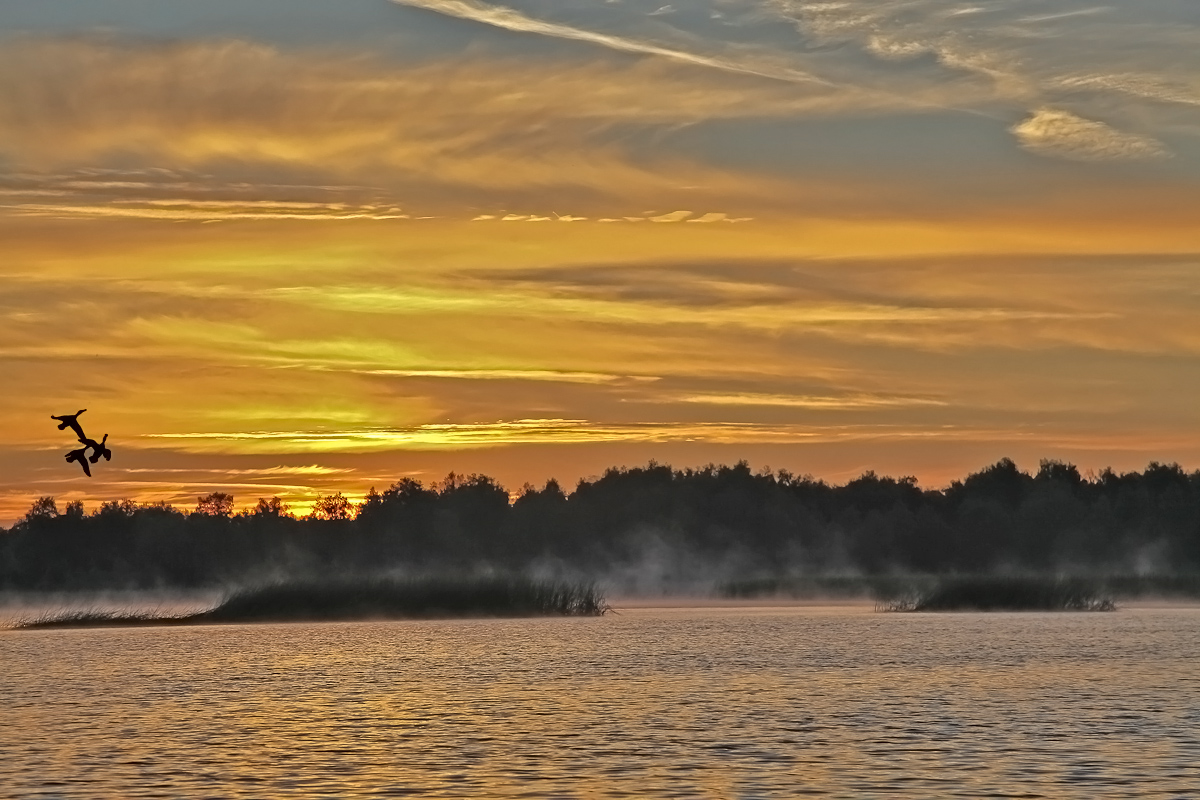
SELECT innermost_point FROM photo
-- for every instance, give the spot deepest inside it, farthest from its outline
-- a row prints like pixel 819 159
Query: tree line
pixel 719 522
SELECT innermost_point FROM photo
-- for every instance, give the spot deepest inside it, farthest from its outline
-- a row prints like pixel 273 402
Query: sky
pixel 293 247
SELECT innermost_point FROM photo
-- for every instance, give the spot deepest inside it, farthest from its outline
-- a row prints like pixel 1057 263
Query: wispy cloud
pixel 1017 55
pixel 175 195
pixel 672 216
pixel 311 469
pixel 1052 132
pixel 512 20
pixel 828 402
pixel 540 431
pixel 551 376
pixel 184 210
pixel 199 106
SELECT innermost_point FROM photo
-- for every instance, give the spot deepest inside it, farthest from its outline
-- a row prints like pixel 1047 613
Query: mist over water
pixel 837 702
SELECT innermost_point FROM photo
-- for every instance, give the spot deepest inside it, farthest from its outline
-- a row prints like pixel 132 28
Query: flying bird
pixel 70 421
pixel 98 448
pixel 80 455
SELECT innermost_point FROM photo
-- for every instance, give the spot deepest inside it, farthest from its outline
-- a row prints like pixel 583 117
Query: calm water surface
pixel 652 703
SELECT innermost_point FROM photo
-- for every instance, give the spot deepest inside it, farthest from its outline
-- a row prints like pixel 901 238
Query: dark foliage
pixel 722 524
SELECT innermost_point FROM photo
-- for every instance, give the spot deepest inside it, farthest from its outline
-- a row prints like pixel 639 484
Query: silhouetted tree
pixel 333 507
pixel 217 504
pixel 42 508
pixel 713 520
pixel 273 508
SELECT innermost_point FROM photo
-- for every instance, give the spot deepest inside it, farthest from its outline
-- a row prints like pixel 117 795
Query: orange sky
pixel 489 240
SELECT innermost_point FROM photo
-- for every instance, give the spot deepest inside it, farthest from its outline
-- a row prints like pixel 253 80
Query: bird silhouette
pixel 98 448
pixel 70 421
pixel 80 455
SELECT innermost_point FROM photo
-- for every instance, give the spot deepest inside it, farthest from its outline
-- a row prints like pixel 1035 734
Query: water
pixel 723 703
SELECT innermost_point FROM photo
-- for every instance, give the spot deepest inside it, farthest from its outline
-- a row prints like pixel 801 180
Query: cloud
pixel 180 195
pixel 338 356
pixel 949 304
pixel 358 136
pixel 578 119
pixel 1016 55
pixel 185 210
pixel 1055 17
pixel 896 49
pixel 673 216
pixel 1138 85
pixel 536 431
pixel 312 469
pixel 551 376
pixel 717 216
pixel 214 108
pixel 510 19
pixel 831 402
pixel 1061 134
pixel 388 338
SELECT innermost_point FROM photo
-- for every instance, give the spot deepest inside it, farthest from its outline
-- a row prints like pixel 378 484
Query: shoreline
pixel 621 605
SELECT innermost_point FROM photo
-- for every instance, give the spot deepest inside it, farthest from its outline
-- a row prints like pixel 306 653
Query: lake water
pixel 722 703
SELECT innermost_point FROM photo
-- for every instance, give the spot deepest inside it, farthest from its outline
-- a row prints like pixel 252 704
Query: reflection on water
pixel 651 703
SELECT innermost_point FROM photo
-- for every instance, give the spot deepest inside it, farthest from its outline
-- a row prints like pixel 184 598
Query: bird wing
pixel 86 469
pixel 74 423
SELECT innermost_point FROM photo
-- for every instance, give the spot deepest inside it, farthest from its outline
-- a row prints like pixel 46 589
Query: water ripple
pixel 653 703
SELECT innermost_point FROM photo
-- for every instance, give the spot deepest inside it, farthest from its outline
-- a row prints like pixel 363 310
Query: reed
pixel 1004 594
pixel 371 599
pixel 93 618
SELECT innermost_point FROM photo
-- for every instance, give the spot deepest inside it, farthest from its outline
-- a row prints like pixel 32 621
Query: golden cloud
pixel 477 123
pixel 1053 132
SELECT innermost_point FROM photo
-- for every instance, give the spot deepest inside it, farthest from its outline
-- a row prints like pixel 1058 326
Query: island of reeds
pixel 345 600
pixel 1003 593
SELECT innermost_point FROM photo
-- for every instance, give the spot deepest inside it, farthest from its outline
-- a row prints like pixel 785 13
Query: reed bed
pixel 907 591
pixel 1004 594
pixel 419 598
pixel 93 618
pixel 360 600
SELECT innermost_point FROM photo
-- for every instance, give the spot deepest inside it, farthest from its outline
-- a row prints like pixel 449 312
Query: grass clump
pixel 317 601
pixel 1004 594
